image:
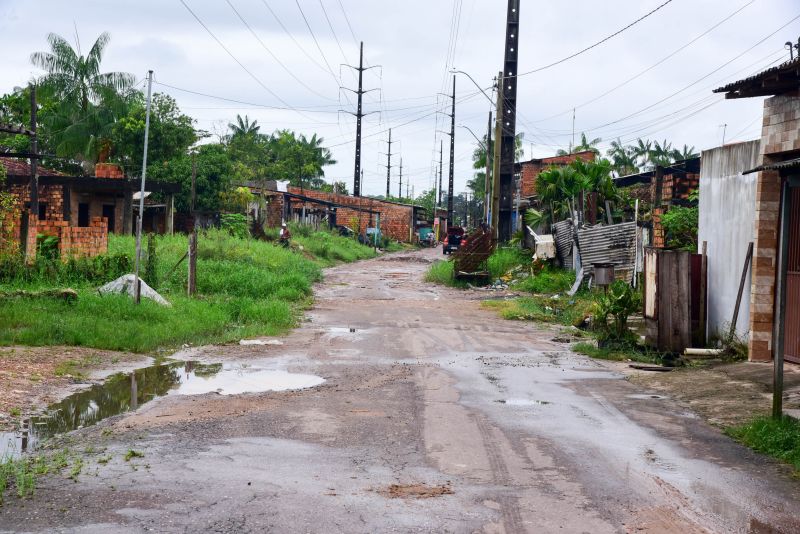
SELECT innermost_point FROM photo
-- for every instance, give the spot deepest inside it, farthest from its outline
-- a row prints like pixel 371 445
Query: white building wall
pixel 727 223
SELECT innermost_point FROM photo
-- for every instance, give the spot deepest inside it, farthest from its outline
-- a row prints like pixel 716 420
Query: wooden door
pixel 792 324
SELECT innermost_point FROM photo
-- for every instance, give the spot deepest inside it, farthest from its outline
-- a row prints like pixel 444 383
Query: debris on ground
pixel 416 491
pixel 127 285
pixel 261 342
pixel 67 295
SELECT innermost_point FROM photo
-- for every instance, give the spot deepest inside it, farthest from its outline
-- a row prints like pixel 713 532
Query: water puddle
pixel 523 402
pixel 646 397
pixel 124 392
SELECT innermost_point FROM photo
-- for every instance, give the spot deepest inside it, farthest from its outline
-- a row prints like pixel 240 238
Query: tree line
pixel 86 116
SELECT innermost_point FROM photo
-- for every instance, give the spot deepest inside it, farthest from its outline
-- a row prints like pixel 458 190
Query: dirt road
pixel 435 416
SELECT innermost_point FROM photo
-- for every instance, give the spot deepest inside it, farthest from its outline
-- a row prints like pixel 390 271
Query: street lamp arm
pixel 467 128
pixel 481 89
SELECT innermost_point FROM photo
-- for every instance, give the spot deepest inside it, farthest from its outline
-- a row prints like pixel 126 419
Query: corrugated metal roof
pixel 788 164
pixel 608 244
pixel 788 66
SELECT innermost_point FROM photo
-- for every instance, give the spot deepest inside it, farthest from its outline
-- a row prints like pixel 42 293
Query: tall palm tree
pixel 643 152
pixel 685 153
pixel 76 79
pixel 87 101
pixel 623 158
pixel 243 127
pixel 661 154
pixel 587 145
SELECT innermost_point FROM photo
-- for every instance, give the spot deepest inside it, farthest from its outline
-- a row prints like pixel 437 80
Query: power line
pixel 314 37
pixel 335 37
pixel 598 43
pixel 221 44
pixel 276 58
pixel 651 67
pixel 291 36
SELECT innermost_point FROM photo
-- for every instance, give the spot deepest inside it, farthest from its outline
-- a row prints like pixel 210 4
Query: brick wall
pixel 673 187
pixel 531 169
pixel 108 170
pixel 396 219
pixel 779 138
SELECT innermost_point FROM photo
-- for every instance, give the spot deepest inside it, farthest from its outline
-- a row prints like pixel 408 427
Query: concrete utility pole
pixel 441 167
pixel 389 165
pixel 400 189
pixel 487 183
pixel 359 115
pixel 508 90
pixel 498 141
pixel 138 282
pixel 452 154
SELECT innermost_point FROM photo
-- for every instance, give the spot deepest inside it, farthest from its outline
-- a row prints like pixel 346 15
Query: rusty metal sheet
pixel 609 244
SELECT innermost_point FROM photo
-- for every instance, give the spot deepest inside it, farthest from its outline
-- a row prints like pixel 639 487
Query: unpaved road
pixel 436 416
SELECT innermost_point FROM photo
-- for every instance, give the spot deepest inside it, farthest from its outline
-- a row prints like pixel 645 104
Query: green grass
pixel 245 288
pixel 549 282
pixel 567 311
pixel 440 272
pixel 779 438
pixel 504 260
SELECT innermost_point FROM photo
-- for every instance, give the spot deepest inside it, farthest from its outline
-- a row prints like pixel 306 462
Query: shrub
pixel 619 302
pixel 548 281
pixel 235 224
pixel 504 260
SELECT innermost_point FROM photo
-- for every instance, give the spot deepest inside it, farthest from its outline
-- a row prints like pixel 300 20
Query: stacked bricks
pixel 659 240
pixel 532 169
pixel 780 134
pixel 89 241
pixel 673 187
pixel 108 170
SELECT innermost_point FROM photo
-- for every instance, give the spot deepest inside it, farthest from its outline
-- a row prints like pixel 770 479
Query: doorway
pixel 792 324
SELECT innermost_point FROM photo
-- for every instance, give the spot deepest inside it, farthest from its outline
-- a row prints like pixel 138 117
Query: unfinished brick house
pixel 661 188
pixel 80 211
pixel 398 221
pixel 530 170
pixel 775 289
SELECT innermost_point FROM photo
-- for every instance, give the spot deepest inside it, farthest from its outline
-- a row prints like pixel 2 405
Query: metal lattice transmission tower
pixel 508 86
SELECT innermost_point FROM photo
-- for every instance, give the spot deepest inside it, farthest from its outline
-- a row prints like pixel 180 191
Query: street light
pixel 467 128
pixel 454 71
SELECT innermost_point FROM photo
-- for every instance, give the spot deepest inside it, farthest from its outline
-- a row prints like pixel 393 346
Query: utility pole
pixel 508 90
pixel 137 281
pixel 487 184
pixel 452 155
pixel 400 189
pixel 34 144
pixel 441 166
pixel 359 115
pixel 498 141
pixel 191 285
pixel 389 165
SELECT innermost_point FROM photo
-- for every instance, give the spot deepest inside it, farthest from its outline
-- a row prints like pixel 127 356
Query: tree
pixel 477 185
pixel 88 100
pixel 623 158
pixel 171 133
pixel 685 153
pixel 214 173
pixel 585 145
pixel 243 127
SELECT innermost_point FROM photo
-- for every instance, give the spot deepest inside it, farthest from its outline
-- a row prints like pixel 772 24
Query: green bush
pixel 235 224
pixel 549 281
pixel 619 302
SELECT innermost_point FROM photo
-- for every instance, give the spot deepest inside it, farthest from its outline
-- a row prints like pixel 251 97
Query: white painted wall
pixel 727 223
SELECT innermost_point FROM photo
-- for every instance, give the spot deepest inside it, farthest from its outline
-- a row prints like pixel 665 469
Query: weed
pixel 104 460
pixel 133 454
pixel 549 281
pixel 504 260
pixel 77 467
pixel 15 412
pixel 618 353
pixel 441 272
pixel 779 438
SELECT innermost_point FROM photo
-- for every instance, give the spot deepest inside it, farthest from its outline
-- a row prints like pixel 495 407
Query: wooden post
pixel 703 290
pixel 747 260
pixel 498 146
pixel 191 286
pixel 170 215
pixel 778 340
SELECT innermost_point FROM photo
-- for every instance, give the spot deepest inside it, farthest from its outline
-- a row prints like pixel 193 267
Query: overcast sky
pixel 416 42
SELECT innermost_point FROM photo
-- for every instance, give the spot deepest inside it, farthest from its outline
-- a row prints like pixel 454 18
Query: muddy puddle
pixel 124 392
pixel 523 402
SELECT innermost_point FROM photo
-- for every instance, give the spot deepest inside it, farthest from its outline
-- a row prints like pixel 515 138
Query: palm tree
pixel 87 101
pixel 683 154
pixel 661 154
pixel 244 127
pixel 623 158
pixel 75 79
pixel 643 152
pixel 588 146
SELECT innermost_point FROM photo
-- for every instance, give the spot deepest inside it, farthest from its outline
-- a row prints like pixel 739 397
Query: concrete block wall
pixel 780 140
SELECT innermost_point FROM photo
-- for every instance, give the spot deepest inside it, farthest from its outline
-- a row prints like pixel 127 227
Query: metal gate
pixel 792 325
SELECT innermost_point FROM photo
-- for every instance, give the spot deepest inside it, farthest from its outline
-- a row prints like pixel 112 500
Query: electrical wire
pixel 291 36
pixel 330 25
pixel 598 43
pixel 276 58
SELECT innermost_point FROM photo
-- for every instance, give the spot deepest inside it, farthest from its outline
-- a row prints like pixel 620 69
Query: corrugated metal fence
pixel 609 244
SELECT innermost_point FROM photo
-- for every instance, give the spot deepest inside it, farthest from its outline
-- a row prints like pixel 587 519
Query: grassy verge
pixel 567 311
pixel 779 438
pixel 245 288
pixel 619 354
